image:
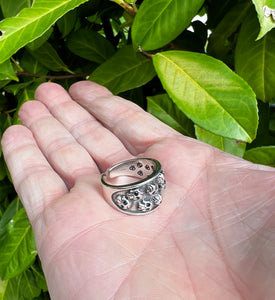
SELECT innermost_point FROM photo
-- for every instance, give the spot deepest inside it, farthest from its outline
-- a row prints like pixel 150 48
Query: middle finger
pixel 105 148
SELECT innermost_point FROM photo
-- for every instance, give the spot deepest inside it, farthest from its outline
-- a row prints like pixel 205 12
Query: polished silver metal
pixel 143 195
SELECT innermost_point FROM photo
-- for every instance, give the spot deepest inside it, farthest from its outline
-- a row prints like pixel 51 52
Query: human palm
pixel 212 237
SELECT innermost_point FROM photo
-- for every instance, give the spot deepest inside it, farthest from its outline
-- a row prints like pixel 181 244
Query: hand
pixel 213 237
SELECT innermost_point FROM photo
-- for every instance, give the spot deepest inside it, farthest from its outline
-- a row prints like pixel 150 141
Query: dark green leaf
pixel 15 88
pixel 2 168
pixel 228 145
pixel 266 23
pixel 5 189
pixel 9 289
pixel 218 44
pixel 90 45
pixel 162 107
pixel 39 277
pixel 255 60
pixel 49 58
pixel 11 8
pixel 31 23
pixel 159 22
pixel 7 72
pixel 31 65
pixel 67 22
pixel 209 93
pixel 18 249
pixel 125 70
pixel 261 155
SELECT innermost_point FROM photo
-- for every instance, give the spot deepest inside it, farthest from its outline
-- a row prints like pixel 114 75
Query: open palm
pixel 213 237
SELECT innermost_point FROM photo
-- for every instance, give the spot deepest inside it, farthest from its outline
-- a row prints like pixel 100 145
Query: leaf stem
pixel 126 6
pixel 52 77
pixel 144 53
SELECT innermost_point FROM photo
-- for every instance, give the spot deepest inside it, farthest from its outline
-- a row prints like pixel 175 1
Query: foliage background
pixel 211 80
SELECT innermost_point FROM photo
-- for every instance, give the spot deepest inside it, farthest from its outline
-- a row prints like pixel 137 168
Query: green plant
pixel 211 80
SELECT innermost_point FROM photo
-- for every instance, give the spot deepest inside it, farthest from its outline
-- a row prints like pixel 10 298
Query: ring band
pixel 141 196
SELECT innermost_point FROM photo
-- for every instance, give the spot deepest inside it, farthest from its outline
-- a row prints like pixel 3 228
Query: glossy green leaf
pixel 49 58
pixel 218 43
pixel 266 22
pixel 261 155
pixel 7 71
pixel 41 40
pixel 32 65
pixel 123 71
pixel 209 93
pixel 31 23
pixel 255 60
pixel 15 88
pixel 225 144
pixel 9 289
pixel 90 45
pixel 67 22
pixel 9 213
pixel 159 22
pixel 162 107
pixel 11 8
pixel 18 249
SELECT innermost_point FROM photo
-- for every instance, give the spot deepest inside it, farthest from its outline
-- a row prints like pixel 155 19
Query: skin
pixel 213 237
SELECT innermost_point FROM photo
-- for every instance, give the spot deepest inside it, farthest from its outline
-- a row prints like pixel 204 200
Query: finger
pixel 36 183
pixel 134 127
pixel 69 159
pixel 105 148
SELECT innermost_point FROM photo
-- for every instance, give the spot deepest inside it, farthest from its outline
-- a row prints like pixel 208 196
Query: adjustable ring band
pixel 141 196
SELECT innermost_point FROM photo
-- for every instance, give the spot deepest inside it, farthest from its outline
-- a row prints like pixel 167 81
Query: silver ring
pixel 143 194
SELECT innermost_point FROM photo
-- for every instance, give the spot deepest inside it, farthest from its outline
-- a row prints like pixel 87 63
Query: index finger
pixel 136 128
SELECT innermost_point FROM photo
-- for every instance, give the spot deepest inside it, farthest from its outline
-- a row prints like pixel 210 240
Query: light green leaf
pixel 90 45
pixel 11 8
pixel 261 155
pixel 266 22
pixel 49 58
pixel 41 40
pixel 7 71
pixel 159 22
pixel 124 71
pixel 162 107
pixel 218 44
pixel 18 249
pixel 209 93
pixel 9 289
pixel 67 22
pixel 31 23
pixel 255 60
pixel 228 145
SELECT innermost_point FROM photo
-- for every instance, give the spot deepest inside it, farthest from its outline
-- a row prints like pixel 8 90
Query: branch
pixel 126 6
pixel 52 77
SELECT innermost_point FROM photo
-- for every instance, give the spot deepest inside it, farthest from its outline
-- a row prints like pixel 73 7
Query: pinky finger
pixel 35 181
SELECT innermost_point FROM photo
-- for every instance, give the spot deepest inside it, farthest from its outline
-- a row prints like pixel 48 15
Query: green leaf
pixel 90 45
pixel 2 168
pixel 31 23
pixel 15 88
pixel 11 8
pixel 7 71
pixel 218 43
pixel 159 22
pixel 40 41
pixel 124 71
pixel 49 58
pixel 18 249
pixel 162 107
pixel 255 60
pixel 209 93
pixel 261 155
pixel 228 145
pixel 5 189
pixel 31 65
pixel 266 23
pixel 9 289
pixel 39 277
pixel 28 286
pixel 67 22
pixel 9 213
